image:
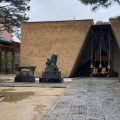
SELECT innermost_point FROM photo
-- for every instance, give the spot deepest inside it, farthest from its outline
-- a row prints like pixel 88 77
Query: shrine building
pixel 9 56
pixel 9 49
pixel 83 48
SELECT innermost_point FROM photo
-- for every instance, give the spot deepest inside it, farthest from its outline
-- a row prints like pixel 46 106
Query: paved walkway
pixel 88 99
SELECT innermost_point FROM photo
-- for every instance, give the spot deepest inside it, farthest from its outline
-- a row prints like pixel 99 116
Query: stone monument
pixel 51 73
pixel 25 74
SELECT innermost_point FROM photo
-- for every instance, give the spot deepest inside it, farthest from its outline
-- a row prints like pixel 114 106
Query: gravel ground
pixel 25 103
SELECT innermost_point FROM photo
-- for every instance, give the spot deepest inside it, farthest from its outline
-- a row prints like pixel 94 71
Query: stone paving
pixel 88 99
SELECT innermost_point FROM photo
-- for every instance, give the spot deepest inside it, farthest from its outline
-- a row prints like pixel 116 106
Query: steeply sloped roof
pixel 5 42
pixel 116 30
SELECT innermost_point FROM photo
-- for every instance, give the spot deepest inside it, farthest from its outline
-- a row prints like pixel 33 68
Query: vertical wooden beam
pixel 0 58
pixel 5 61
pixel 13 61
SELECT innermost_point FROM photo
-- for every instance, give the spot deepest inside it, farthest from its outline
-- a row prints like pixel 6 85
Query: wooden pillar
pixel 0 59
pixel 5 61
pixel 13 61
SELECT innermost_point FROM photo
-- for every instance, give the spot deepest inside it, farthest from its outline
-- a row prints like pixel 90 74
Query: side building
pixel 9 56
pixel 9 50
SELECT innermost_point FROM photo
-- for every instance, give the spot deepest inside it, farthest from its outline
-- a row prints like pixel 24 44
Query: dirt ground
pixel 26 103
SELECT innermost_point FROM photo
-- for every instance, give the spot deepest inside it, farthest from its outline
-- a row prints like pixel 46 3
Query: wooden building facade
pixel 9 56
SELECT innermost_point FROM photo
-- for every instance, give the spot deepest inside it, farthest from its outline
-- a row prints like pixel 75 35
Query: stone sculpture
pixel 51 73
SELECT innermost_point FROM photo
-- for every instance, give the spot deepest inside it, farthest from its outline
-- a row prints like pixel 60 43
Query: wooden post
pixel 91 66
pixel 6 61
pixel 100 65
pixel 0 58
pixel 13 61
pixel 109 51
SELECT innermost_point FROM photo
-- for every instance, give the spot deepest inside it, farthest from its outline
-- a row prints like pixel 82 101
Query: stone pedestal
pixel 51 77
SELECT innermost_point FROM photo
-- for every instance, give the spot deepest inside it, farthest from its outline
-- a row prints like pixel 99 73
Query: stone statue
pixel 54 59
pixel 48 62
pixel 51 61
pixel 51 73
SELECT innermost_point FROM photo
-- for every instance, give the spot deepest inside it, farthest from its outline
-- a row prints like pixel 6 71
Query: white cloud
pixel 55 10
pixel 59 10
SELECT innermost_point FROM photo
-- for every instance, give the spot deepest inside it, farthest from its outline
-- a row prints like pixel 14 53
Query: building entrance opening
pixel 6 62
pixel 98 53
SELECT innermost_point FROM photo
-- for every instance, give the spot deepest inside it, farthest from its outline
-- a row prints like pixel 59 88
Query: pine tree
pixel 99 3
pixel 13 12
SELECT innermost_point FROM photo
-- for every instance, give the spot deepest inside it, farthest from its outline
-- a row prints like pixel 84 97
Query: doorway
pixel 6 62
pixel 97 56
